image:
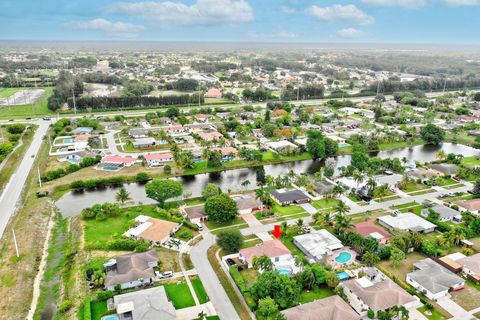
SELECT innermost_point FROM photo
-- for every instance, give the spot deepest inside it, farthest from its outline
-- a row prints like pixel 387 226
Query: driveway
pixel 309 208
pixel 453 308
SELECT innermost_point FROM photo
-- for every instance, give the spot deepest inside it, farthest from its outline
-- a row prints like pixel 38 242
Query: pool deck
pixel 337 265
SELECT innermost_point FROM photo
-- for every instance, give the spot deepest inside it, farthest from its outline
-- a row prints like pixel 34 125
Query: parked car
pixel 200 226
pixel 230 262
pixel 167 274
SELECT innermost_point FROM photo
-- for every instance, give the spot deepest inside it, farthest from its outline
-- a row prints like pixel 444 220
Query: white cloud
pixel 397 3
pixel 350 33
pixel 116 29
pixel 284 34
pixel 202 12
pixel 349 13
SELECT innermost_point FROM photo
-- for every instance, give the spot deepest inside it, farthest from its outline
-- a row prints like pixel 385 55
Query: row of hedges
pixel 97 183
pixel 56 174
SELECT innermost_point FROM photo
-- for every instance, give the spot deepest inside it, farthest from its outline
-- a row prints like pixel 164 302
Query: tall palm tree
pixel 260 195
pixel 122 196
pixel 358 177
pixel 454 236
pixel 342 208
pixel 371 184
pixel 440 155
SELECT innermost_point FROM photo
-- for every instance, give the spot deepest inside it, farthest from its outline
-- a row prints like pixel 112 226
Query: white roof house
pixel 317 244
pixel 407 222
pixel 279 145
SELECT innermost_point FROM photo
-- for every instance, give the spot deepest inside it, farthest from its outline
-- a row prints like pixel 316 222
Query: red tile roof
pixel 272 249
pixel 117 159
pixel 158 156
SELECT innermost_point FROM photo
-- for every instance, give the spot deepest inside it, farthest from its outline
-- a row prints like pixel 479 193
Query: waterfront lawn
pixel 180 295
pixel 315 294
pixel 470 161
pixel 200 291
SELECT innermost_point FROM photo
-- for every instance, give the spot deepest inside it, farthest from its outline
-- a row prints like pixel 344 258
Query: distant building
pixel 331 308
pixel 407 222
pixel 213 93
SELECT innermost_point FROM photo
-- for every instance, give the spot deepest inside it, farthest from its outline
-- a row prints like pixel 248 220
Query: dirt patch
pixel 468 298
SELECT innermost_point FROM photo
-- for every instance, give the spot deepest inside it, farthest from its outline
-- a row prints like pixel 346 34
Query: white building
pixel 407 222
pixel 317 244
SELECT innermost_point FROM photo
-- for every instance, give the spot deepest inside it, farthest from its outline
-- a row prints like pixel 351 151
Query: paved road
pixel 215 291
pixel 12 192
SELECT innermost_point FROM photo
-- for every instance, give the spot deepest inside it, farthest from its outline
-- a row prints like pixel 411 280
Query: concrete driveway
pixel 309 208
pixel 453 308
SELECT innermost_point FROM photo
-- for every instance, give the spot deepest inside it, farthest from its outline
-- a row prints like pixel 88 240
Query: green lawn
pixel 418 193
pixel 316 294
pixel 214 225
pixel 99 309
pixel 280 210
pixel 325 203
pixel 435 315
pixel 470 161
pixel 37 109
pixel 7 92
pixel 412 186
pixel 405 205
pixel 200 291
pixel 180 295
pixel 445 182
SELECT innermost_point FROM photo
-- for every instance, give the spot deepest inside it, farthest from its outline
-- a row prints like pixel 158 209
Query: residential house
pixel 153 230
pixel 433 280
pixel 247 203
pixel 75 157
pixel 318 244
pixel 158 159
pixel 117 160
pixel 279 146
pixel 144 142
pixel 209 135
pixel 200 117
pixel 213 93
pixel 138 133
pixel 147 304
pixel 448 169
pixel 472 205
pixel 471 266
pixel 82 130
pixel 323 187
pixel 228 153
pixel 375 291
pixel 406 222
pixel 288 196
pixel 331 308
pixel 274 249
pixel 195 214
pixel 445 214
pixel 423 174
pixel 173 129
pixel 131 270
pixel 370 229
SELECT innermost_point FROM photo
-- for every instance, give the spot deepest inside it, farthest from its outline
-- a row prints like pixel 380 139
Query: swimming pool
pixel 67 140
pixel 343 257
pixel 284 271
pixel 343 144
pixel 110 317
pixel 343 275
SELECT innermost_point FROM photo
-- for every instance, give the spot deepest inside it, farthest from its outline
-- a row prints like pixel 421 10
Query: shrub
pixel 101 216
pixel 237 277
pixel 104 295
pixel 14 138
pixel 65 306
pixel 17 128
pixel 142 177
pixel 190 225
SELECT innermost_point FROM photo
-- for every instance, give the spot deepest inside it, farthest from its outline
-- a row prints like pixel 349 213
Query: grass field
pixel 99 309
pixel 199 291
pixel 315 294
pixel 435 315
pixel 180 295
pixel 37 109
pixel 7 92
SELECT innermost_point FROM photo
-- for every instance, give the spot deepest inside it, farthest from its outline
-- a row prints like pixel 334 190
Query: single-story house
pixel 274 249
pixel 210 135
pixel 118 160
pixel 144 142
pixel 370 229
pixel 331 308
pixel 174 128
pixel 471 266
pixel 289 196
pixel 423 174
pixel 247 203
pixel 153 230
pixel 195 214
pixel 377 292
pixel 407 222
pixel 445 213
pixel 138 133
pixel 434 280
pixel 131 270
pixel 213 93
pixel 147 304
pixel 472 205
pixel 228 153
pixel 278 146
pixel 317 244
pixel 448 169
pixel 76 157
pixel 323 187
pixel 201 117
pixel 158 159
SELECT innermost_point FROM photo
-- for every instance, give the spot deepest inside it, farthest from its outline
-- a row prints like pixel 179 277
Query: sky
pixel 369 21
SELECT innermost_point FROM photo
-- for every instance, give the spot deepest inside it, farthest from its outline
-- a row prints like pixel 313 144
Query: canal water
pixel 72 203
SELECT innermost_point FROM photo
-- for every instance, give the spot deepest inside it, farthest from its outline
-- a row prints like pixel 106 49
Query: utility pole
pixel 74 104
pixel 39 178
pixel 15 241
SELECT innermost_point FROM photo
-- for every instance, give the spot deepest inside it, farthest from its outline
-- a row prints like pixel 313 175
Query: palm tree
pixel 299 223
pixel 358 177
pixel 300 261
pixel 260 195
pixel 342 208
pixel 122 196
pixel 454 236
pixel 440 155
pixel 245 184
pixel 371 184
pixel 342 222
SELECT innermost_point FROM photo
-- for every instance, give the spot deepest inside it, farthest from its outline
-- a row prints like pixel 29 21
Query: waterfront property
pixel 158 159
pixel 288 196
pixel 195 214
pixel 153 230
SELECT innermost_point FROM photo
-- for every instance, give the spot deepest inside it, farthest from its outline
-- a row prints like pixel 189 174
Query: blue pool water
pixel 285 272
pixel 343 276
pixel 341 145
pixel 113 317
pixel 343 257
pixel 67 140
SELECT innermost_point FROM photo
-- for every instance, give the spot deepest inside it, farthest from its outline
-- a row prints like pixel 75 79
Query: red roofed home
pixel 370 229
pixel 213 93
pixel 118 160
pixel 210 136
pixel 274 249
pixel 472 205
pixel 203 117
pixel 82 137
pixel 175 128
pixel 158 159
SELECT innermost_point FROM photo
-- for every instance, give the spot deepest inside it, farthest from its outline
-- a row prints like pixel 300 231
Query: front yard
pixel 468 298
